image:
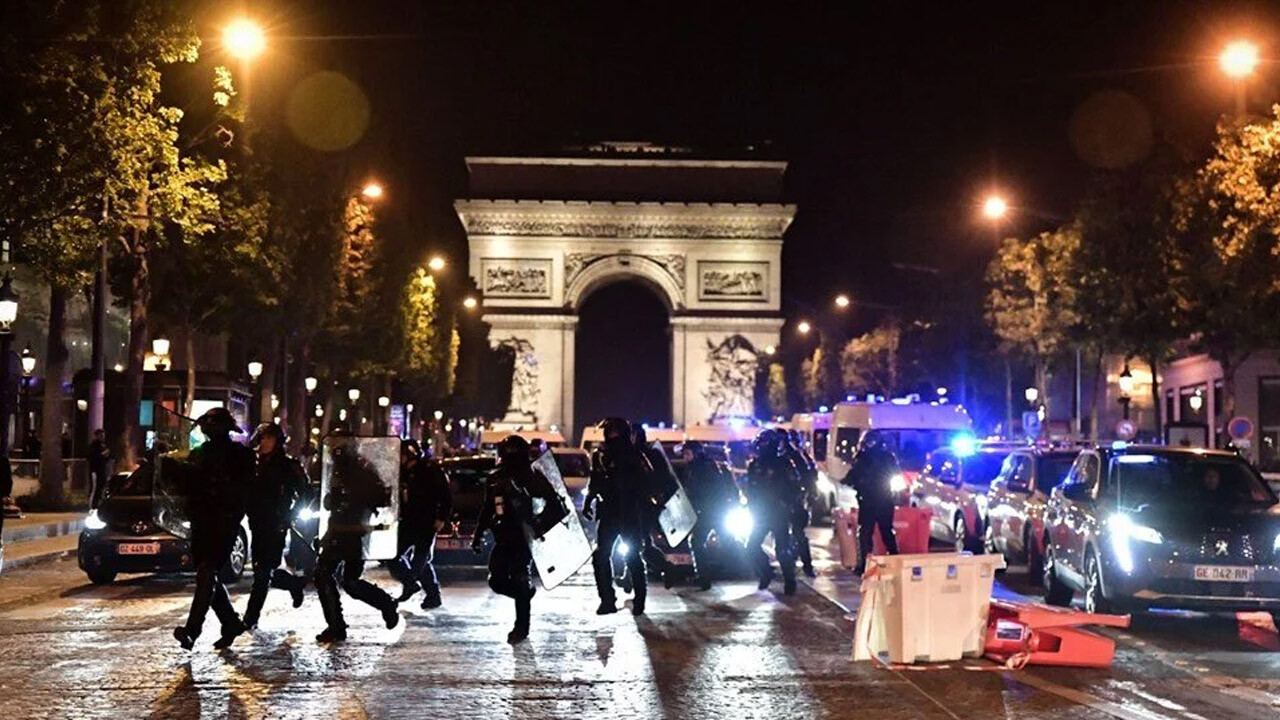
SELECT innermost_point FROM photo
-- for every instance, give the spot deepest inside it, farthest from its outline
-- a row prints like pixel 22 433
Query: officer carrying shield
pixel 351 502
pixel 509 494
pixel 617 493
pixel 800 514
pixel 871 475
pixel 426 505
pixel 277 490
pixel 219 474
pixel 713 494
pixel 772 487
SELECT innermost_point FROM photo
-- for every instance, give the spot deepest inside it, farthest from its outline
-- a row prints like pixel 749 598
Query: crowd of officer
pixel 630 484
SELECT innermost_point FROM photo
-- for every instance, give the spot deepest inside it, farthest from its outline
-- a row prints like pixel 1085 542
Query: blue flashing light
pixel 824 408
pixel 1135 459
pixel 964 445
pixel 1119 445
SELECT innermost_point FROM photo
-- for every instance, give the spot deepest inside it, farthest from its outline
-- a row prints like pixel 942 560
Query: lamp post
pixel 353 394
pixel 28 368
pixel 384 405
pixel 8 314
pixel 1238 60
pixel 1125 381
pixel 255 371
pixel 160 349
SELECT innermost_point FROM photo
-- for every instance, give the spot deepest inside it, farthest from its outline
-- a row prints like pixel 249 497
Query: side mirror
pixel 999 485
pixel 1077 492
pixel 1019 487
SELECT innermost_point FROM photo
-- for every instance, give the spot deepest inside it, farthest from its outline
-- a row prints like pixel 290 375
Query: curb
pixel 42 531
pixel 28 560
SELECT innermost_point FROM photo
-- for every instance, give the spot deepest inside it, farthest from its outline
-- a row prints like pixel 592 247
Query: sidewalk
pixel 40 536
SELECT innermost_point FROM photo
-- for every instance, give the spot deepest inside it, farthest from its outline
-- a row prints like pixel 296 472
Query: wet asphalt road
pixel 71 650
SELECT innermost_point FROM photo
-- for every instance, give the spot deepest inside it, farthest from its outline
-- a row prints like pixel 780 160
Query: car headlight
pixel 981 502
pixel 307 513
pixel 623 549
pixel 739 523
pixel 93 522
pixel 824 484
pixel 898 483
pixel 1125 531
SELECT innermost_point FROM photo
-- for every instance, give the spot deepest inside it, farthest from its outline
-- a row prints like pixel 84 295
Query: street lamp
pixel 244 38
pixel 1125 381
pixel 255 370
pixel 770 349
pixel 28 362
pixel 1238 60
pixel 995 207
pixel 469 303
pixel 160 348
pixel 803 327
pixel 372 190
pixel 28 367
pixel 436 263
pixel 310 383
pixel 842 301
pixel 8 304
pixel 353 395
pixel 384 401
pixel 1196 401
pixel 1032 394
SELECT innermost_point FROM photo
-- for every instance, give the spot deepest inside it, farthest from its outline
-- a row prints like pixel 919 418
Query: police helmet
pixel 513 448
pixel 616 430
pixel 217 420
pixel 767 443
pixel 267 428
pixel 695 448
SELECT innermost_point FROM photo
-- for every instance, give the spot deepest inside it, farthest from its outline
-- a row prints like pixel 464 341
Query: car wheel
pixel 1056 592
pixel 101 577
pixel 1094 600
pixel 965 543
pixel 233 570
pixel 989 544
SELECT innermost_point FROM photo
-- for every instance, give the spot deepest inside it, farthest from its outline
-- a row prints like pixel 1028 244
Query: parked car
pixel 954 484
pixel 575 470
pixel 121 535
pixel 466 482
pixel 1136 527
pixel 1015 504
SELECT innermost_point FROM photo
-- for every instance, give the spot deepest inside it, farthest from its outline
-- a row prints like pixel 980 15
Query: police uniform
pixel 800 513
pixel 425 501
pixel 870 475
pixel 713 493
pixel 281 483
pixel 772 487
pixel 617 494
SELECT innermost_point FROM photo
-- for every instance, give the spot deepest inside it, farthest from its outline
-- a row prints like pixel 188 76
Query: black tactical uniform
pixel 509 492
pixel 218 475
pixel 800 514
pixel 280 486
pixel 351 505
pixel 426 505
pixel 772 487
pixel 620 478
pixel 870 475
pixel 713 494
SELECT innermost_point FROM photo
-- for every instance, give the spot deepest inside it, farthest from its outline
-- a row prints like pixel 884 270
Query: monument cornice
pixel 562 219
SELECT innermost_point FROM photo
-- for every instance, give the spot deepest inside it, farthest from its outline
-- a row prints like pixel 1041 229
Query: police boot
pixel 766 577
pixel 809 572
pixel 229 633
pixel 431 601
pixel 332 634
pixel 637 603
pixel 521 629
pixel 410 589
pixel 789 586
pixel 185 637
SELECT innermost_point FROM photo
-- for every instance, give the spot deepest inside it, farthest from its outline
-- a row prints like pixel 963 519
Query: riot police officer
pixel 662 481
pixel 509 492
pixel 713 494
pixel 772 487
pixel 217 478
pixel 807 470
pixel 426 504
pixel 279 487
pixel 871 475
pixel 351 504
pixel 617 494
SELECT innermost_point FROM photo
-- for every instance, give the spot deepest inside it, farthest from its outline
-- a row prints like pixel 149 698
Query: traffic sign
pixel 1126 430
pixel 1240 428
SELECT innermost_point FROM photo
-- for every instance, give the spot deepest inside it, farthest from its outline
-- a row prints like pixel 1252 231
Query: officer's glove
pixel 588 512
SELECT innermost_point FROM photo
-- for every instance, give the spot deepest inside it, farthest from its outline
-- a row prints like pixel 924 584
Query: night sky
pixel 896 117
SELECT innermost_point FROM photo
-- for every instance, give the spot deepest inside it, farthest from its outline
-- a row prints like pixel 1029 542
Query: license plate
pixel 138 548
pixel 680 559
pixel 1220 573
pixel 452 544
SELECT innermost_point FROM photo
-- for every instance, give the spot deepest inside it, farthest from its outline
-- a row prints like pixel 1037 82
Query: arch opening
pixel 622 358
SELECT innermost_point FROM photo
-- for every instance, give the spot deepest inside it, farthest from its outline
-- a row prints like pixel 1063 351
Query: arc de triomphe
pixel 544 233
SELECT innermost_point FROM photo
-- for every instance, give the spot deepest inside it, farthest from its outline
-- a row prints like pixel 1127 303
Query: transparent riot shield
pixel 677 516
pixel 563 548
pixel 360 491
pixel 170 484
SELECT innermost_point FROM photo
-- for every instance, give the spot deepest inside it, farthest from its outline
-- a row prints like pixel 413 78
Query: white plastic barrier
pixel 925 608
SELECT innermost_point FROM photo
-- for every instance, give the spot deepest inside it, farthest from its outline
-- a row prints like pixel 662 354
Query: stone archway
pixel 715 265
pixel 623 368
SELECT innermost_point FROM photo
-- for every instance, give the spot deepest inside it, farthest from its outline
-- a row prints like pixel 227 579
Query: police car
pixel 953 484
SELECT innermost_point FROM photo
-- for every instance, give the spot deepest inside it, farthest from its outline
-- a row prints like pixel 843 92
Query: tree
pixel 820 378
pixel 1030 302
pixel 870 363
pixel 1226 263
pixel 431 341
pixel 777 391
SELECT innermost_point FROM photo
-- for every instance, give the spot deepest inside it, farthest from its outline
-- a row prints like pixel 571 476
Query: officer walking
pixel 807 470
pixel 616 493
pixel 354 496
pixel 509 492
pixel 871 476
pixel 426 504
pixel 280 487
pixel 713 494
pixel 219 475
pixel 772 487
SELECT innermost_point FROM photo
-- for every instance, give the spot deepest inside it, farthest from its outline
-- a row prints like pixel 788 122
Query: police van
pixel 911 429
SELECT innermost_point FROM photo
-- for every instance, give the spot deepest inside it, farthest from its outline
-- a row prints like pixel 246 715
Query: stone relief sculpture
pixel 575 263
pixel 730 392
pixel 733 281
pixel 516 278
pixel 734 228
pixel 524 378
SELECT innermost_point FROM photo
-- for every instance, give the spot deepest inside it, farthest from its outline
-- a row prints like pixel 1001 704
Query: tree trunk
pixel 189 359
pixel 1008 399
pixel 267 383
pixel 52 473
pixel 1096 396
pixel 140 291
pixel 1156 404
pixel 1042 388
pixel 299 413
pixel 327 421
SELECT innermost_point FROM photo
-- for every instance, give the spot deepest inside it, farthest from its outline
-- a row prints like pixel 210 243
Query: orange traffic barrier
pixel 910 526
pixel 846 529
pixel 1031 634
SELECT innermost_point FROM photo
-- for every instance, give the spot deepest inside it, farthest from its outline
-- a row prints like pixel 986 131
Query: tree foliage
pixel 870 362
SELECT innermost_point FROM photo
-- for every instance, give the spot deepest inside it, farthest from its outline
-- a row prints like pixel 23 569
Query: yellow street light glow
pixel 1239 58
pixel 995 207
pixel 436 263
pixel 770 349
pixel 842 301
pixel 243 38
pixel 469 303
pixel 804 327
pixel 372 190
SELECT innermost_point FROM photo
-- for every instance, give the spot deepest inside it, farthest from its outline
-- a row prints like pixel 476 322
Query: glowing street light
pixel 842 301
pixel 1032 394
pixel 310 383
pixel 384 401
pixel 160 346
pixel 244 38
pixel 1126 381
pixel 255 370
pixel 372 190
pixel 353 394
pixel 28 362
pixel 1239 59
pixel 470 303
pixel 995 207
pixel 436 263
pixel 804 327
pixel 770 349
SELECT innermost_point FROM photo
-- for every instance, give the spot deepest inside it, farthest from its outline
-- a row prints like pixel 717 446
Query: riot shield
pixel 563 548
pixel 677 516
pixel 360 483
pixel 170 485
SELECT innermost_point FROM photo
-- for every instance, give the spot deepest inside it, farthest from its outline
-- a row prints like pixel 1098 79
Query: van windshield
pixel 913 446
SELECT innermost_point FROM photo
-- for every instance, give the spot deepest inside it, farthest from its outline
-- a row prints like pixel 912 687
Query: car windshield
pixel 136 483
pixel 1051 470
pixel 470 476
pixel 912 447
pixel 573 464
pixel 1205 481
pixel 981 469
